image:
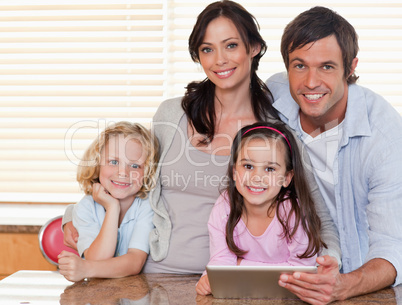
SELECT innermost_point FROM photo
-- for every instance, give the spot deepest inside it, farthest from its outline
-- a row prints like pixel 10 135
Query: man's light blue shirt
pixel 133 233
pixel 367 175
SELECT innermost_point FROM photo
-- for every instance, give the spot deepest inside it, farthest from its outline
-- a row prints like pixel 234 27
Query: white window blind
pixel 69 68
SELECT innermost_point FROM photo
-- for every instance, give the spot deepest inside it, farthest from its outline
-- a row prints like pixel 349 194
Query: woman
pixel 196 132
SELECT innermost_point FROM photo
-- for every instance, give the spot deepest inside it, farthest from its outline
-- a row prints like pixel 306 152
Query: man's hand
pixel 320 288
pixel 70 235
pixel 72 266
pixel 203 287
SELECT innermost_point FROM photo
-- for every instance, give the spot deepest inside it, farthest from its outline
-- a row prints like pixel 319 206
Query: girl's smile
pixel 260 172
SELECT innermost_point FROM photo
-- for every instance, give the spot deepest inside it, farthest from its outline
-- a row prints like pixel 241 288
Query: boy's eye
pixel 113 162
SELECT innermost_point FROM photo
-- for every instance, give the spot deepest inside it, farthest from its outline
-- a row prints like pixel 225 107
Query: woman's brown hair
pixel 198 101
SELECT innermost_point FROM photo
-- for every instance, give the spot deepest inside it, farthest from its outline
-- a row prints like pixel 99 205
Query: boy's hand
pixel 203 287
pixel 71 266
pixel 103 197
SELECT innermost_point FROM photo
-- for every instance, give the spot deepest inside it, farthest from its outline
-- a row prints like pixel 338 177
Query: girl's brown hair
pixel 297 192
pixel 89 166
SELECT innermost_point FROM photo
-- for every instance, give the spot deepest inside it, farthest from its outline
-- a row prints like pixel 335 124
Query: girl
pixel 266 216
pixel 114 219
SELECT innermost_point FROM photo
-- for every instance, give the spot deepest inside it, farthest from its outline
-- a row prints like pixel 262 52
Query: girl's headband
pixel 271 128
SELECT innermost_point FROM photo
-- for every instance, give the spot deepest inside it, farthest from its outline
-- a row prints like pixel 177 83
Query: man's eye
pixel 327 67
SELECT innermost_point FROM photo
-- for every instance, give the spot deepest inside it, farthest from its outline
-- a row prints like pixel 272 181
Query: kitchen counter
pixel 47 287
pixel 27 218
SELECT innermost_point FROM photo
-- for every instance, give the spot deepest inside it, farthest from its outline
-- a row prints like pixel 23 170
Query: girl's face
pixel 224 57
pixel 122 167
pixel 260 172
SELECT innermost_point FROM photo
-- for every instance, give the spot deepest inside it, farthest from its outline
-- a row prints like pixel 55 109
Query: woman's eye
pixel 232 45
pixel 206 50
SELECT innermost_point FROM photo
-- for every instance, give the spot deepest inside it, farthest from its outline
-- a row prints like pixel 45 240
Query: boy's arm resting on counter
pixel 75 268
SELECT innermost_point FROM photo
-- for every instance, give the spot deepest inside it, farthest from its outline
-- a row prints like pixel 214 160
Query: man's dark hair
pixel 315 24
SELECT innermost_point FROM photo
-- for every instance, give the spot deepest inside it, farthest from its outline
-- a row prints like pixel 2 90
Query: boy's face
pixel 317 83
pixel 122 167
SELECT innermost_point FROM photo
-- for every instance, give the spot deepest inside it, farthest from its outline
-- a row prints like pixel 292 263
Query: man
pixel 354 139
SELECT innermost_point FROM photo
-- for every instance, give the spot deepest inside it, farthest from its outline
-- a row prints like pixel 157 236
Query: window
pixel 69 68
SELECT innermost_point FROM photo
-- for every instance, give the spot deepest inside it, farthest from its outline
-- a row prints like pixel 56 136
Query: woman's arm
pixel 75 268
pixel 69 231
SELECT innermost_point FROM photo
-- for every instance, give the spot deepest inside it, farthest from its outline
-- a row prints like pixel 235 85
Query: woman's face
pixel 224 57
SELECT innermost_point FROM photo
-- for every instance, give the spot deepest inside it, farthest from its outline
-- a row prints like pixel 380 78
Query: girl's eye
pixel 135 166
pixel 248 166
pixel 113 162
pixel 270 169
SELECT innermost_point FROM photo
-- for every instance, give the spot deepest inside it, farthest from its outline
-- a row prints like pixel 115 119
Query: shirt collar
pixel 356 122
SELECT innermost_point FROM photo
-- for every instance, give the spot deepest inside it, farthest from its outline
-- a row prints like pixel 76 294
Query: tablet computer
pixel 257 282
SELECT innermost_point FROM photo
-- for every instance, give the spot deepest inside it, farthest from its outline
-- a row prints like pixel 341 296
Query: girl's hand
pixel 203 287
pixel 72 266
pixel 103 197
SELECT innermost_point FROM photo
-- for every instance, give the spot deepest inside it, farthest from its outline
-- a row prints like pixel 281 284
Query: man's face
pixel 317 83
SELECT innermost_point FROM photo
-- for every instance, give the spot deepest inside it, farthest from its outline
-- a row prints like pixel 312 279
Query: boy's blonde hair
pixel 89 166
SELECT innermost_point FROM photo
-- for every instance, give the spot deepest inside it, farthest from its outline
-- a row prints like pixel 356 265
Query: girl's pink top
pixel 268 249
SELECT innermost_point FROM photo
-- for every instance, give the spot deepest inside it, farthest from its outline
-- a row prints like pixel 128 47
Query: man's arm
pixel 329 285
